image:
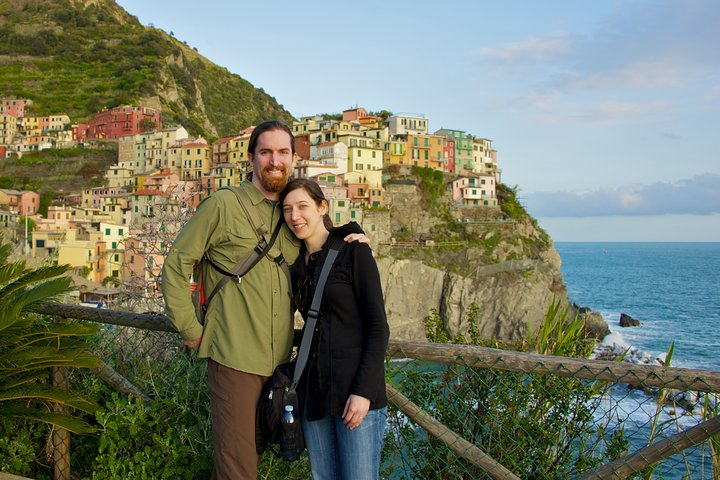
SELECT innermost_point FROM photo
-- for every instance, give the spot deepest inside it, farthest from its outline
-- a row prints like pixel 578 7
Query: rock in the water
pixel 628 321
pixel 595 325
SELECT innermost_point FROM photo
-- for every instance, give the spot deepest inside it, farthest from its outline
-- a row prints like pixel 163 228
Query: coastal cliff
pixel 443 257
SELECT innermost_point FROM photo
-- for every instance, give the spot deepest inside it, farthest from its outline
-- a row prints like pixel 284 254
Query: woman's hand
pixel 356 408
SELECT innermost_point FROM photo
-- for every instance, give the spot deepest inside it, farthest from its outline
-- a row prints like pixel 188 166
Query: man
pixel 248 327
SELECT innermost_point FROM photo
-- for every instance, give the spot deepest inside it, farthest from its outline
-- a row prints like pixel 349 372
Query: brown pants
pixel 234 397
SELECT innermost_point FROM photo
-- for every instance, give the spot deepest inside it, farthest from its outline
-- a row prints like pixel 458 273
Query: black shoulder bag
pixel 277 422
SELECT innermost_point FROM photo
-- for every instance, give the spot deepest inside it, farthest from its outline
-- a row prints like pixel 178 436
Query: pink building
pixel 475 191
pixel 80 131
pixel 28 203
pixel 354 114
pixel 302 146
pixel 118 122
pixel 14 106
pixel 24 203
pixel 449 166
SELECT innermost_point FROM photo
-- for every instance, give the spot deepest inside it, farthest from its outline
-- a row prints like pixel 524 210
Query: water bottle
pixel 289 431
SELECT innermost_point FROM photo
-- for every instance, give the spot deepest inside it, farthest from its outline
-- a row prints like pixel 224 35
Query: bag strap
pixel 244 265
pixel 261 231
pixel 313 313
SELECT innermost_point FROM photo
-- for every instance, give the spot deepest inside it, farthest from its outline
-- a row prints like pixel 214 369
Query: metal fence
pixel 465 412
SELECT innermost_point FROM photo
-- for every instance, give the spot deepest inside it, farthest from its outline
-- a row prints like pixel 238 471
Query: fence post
pixel 60 436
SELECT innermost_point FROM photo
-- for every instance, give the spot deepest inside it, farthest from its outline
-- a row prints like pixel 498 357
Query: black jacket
pixel 348 350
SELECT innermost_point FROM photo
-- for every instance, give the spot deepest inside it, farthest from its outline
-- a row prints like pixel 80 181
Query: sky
pixel 605 114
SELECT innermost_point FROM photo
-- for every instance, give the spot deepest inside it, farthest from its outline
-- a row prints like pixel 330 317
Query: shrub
pixel 538 426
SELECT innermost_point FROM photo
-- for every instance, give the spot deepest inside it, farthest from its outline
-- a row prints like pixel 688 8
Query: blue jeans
pixel 338 453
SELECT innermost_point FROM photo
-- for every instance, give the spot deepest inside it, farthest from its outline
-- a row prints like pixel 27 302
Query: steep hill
pixel 78 56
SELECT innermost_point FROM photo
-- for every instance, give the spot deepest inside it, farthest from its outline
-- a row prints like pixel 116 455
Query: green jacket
pixel 248 325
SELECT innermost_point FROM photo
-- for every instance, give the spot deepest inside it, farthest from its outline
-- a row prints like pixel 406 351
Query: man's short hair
pixel 266 127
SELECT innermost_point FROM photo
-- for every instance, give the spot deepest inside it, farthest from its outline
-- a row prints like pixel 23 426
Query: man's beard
pixel 273 184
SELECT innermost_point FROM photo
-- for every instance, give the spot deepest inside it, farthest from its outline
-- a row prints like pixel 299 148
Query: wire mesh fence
pixel 543 417
pixel 457 412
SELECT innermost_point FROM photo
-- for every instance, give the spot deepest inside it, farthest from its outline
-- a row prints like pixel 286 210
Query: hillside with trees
pixel 79 56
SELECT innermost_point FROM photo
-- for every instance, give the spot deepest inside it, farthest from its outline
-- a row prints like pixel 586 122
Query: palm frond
pixel 5 250
pixel 47 393
pixel 9 271
pixel 29 346
pixel 60 420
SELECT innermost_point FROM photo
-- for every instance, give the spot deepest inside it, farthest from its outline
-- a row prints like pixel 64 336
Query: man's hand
pixel 194 344
pixel 357 237
pixel 356 408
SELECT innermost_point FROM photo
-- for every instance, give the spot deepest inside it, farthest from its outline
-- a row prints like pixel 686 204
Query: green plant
pixel 432 184
pixel 20 440
pixel 711 408
pixel 149 441
pixel 30 346
pixel 509 204
pixel 169 437
pixel 538 426
pixel 657 427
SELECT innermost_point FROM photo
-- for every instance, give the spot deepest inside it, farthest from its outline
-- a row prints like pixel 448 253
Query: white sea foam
pixel 615 339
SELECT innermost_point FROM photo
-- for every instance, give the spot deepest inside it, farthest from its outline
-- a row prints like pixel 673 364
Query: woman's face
pixel 303 215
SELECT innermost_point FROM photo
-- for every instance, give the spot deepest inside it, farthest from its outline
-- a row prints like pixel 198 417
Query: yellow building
pixel 438 152
pixel 484 157
pixel 194 160
pixel 307 125
pixel 364 154
pixel 238 153
pixel 396 152
pixel 8 128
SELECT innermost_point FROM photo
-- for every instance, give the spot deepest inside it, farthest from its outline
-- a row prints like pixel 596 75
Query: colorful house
pixel 14 106
pixel 195 159
pixel 8 128
pixel 475 191
pixel 463 149
pixel 22 202
pixel 408 124
pixel 121 121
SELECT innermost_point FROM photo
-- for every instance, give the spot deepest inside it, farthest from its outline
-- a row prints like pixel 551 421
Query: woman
pixel 342 391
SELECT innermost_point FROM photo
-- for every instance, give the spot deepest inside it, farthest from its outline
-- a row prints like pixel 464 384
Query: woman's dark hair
pixel 313 190
pixel 266 127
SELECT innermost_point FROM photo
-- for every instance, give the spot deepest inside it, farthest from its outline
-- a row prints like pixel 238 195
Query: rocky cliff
pixel 447 258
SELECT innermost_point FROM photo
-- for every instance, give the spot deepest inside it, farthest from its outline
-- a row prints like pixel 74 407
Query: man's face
pixel 273 161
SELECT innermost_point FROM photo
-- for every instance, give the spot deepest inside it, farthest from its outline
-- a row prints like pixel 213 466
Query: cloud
pixel 670 136
pixel 529 50
pixel 637 61
pixel 713 93
pixel 699 195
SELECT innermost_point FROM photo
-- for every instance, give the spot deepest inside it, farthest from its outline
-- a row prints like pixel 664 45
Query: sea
pixel 673 289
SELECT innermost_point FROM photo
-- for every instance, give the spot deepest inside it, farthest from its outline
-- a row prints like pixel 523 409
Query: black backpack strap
pixel 261 231
pixel 244 265
pixel 314 311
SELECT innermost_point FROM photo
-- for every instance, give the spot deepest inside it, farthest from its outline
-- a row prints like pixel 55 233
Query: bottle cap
pixel 289 408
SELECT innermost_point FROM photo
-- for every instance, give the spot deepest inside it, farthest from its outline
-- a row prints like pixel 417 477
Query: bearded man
pixel 248 327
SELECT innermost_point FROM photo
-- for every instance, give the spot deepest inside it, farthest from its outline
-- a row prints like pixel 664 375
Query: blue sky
pixel 605 114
